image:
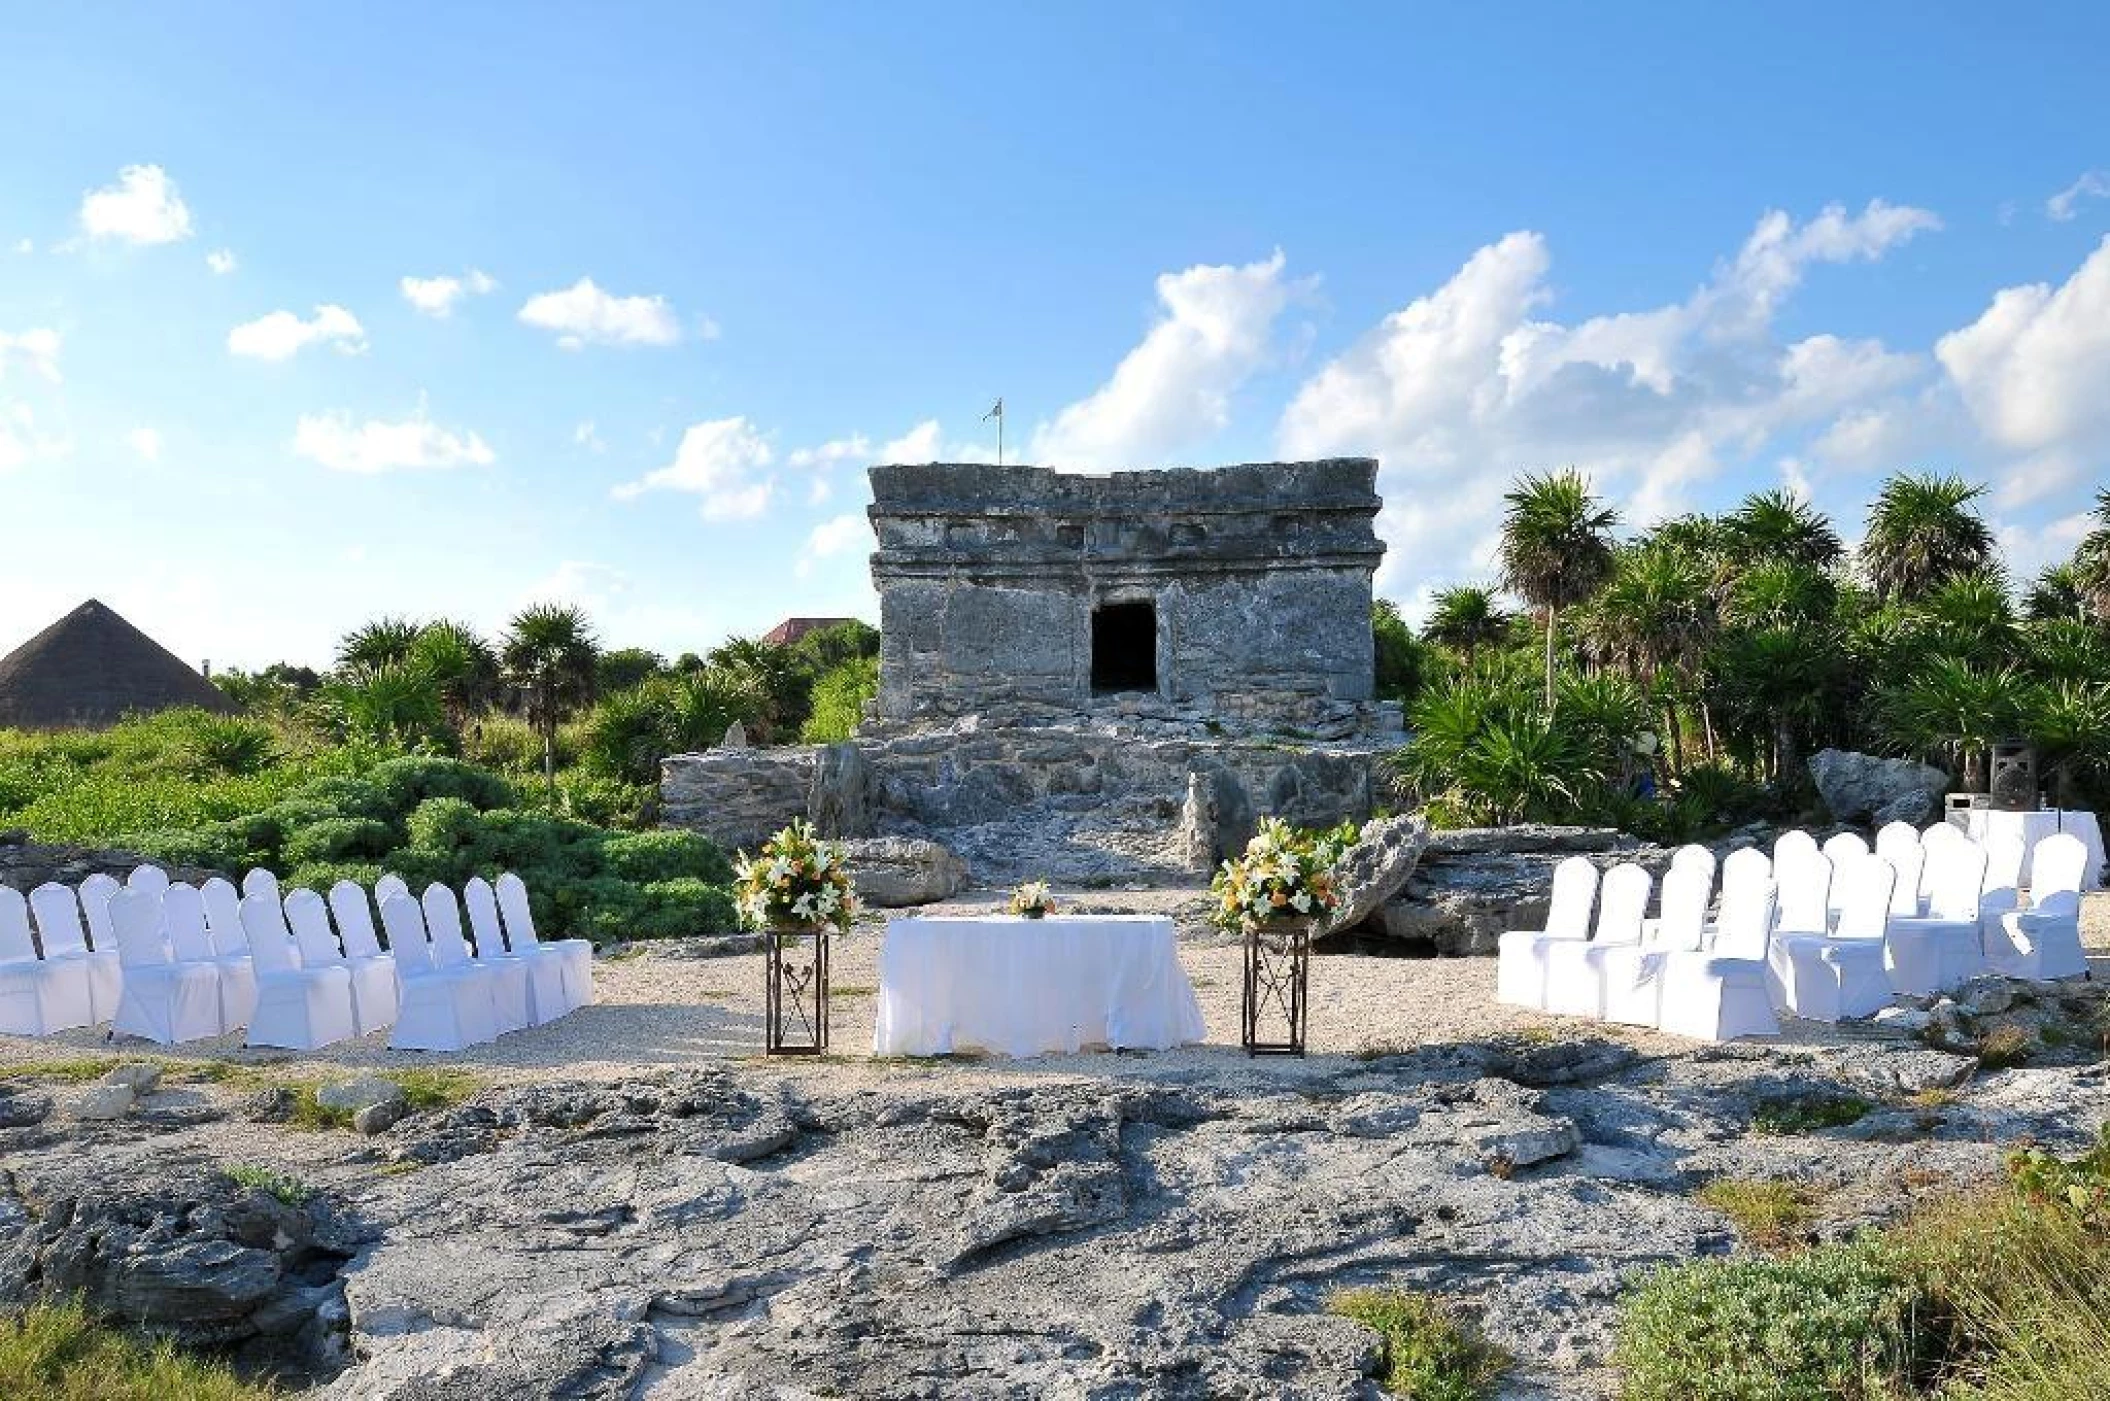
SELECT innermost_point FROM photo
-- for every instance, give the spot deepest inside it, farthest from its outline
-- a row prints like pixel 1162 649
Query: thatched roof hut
pixel 90 669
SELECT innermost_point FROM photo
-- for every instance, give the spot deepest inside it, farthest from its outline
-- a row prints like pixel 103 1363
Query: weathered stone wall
pixel 1259 575
pixel 736 797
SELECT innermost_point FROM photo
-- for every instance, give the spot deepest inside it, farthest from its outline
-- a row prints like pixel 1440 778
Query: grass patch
pixel 852 990
pixel 1767 1212
pixel 1794 1114
pixel 58 1352
pixel 78 1070
pixel 424 1089
pixel 2004 1046
pixel 74 1071
pixel 290 1190
pixel 1430 1353
pixel 1935 1098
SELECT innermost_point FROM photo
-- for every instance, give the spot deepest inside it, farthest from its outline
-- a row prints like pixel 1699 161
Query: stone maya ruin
pixel 1095 679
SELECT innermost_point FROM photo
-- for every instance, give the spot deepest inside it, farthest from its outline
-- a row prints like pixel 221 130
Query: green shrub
pixel 506 743
pixel 213 847
pixel 290 1190
pixel 337 838
pixel 1429 1354
pixel 659 856
pixel 1768 1212
pixel 408 781
pixel 58 1352
pixel 351 797
pixel 839 697
pixel 319 876
pixel 217 744
pixel 443 824
pixel 1807 1113
pixel 1827 1325
pixel 605 802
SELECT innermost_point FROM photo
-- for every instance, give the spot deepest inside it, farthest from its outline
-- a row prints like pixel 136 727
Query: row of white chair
pixel 176 962
pixel 1827 933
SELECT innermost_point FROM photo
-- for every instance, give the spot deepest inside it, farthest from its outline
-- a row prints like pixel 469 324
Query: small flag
pixel 996 410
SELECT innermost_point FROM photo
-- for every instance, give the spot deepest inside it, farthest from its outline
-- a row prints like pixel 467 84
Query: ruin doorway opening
pixel 1124 648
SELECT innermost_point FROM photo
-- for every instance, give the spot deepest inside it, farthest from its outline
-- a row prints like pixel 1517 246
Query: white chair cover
pixel 297 1008
pixel 544 967
pixel 506 985
pixel 389 884
pixel 1839 976
pixel 261 882
pixel 163 1001
pixel 1575 969
pixel 373 981
pixel 59 929
pixel 1805 885
pixel 1896 838
pixel 1942 949
pixel 190 941
pixel 1633 988
pixel 38 996
pixel 1721 994
pixel 1841 845
pixel 95 893
pixel 1904 894
pixel 150 878
pixel 355 920
pixel 223 918
pixel 577 954
pixel 1520 967
pixel 2044 941
pixel 439 1009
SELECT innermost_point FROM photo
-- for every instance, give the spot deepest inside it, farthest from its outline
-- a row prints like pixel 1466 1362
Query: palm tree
pixel 2056 594
pixel 1556 547
pixel 1466 618
pixel 1652 618
pixel 463 665
pixel 1780 594
pixel 549 654
pixel 1970 616
pixel 1923 532
pixel 384 641
pixel 1951 707
pixel 774 672
pixel 2091 561
pixel 1779 525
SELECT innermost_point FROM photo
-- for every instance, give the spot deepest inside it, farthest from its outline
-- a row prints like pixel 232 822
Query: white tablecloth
pixel 2033 827
pixel 1028 987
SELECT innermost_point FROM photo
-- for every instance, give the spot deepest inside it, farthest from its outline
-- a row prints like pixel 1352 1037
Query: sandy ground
pixel 658 1008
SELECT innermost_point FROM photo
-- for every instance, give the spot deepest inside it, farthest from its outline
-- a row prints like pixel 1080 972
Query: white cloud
pixel 583 314
pixel 835 536
pixel 25 247
pixel 282 334
pixel 725 462
pixel 2033 369
pixel 584 436
pixel 582 583
pixel 36 349
pixel 2093 184
pixel 1467 385
pixel 376 445
pixel 836 451
pixel 919 444
pixel 222 261
pixel 1175 388
pixel 142 207
pixel 22 443
pixel 437 296
pixel 146 442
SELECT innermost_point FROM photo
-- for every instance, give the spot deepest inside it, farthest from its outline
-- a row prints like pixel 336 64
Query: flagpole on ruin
pixel 997 412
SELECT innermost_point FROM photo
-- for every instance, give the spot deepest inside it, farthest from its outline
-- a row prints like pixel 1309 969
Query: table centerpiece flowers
pixel 1283 876
pixel 1032 900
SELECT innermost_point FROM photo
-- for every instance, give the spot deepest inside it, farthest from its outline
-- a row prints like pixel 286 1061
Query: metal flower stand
pixel 797 1023
pixel 1277 976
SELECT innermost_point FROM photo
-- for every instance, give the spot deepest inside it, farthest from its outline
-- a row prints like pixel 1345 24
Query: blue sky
pixel 310 313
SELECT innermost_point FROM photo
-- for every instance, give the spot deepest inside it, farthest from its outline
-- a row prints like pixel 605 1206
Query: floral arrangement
pixel 1032 901
pixel 1284 874
pixel 797 881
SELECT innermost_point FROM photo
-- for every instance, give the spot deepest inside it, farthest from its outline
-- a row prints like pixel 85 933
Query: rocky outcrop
pixel 25 864
pixel 1868 789
pixel 1472 884
pixel 736 797
pixel 897 872
pixel 1376 868
pixel 840 800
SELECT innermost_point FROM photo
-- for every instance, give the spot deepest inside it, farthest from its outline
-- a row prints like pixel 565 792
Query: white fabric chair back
pixel 95 893
pixel 1622 903
pixel 1745 868
pixel 152 879
pixel 223 918
pixel 404 920
pixel 355 920
pixel 1792 845
pixel 483 918
pixel 17 944
pixel 1959 881
pixel 270 941
pixel 2057 870
pixel 1863 886
pixel 1686 890
pixel 310 919
pixel 261 882
pixel 1746 926
pixel 1697 857
pixel 1841 845
pixel 520 921
pixel 183 916
pixel 1905 893
pixel 390 884
pixel 1935 841
pixel 443 922
pixel 58 919
pixel 1895 838
pixel 2004 857
pixel 135 915
pixel 1805 884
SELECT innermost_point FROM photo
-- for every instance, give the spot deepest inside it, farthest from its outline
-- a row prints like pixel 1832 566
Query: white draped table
pixel 1024 987
pixel 2034 827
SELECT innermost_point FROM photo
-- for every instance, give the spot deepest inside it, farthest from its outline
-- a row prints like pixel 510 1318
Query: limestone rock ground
pixel 650 1224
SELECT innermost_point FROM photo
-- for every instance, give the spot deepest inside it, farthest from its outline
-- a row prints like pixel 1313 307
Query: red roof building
pixel 784 634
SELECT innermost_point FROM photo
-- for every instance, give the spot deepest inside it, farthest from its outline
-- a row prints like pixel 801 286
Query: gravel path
pixel 660 1006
